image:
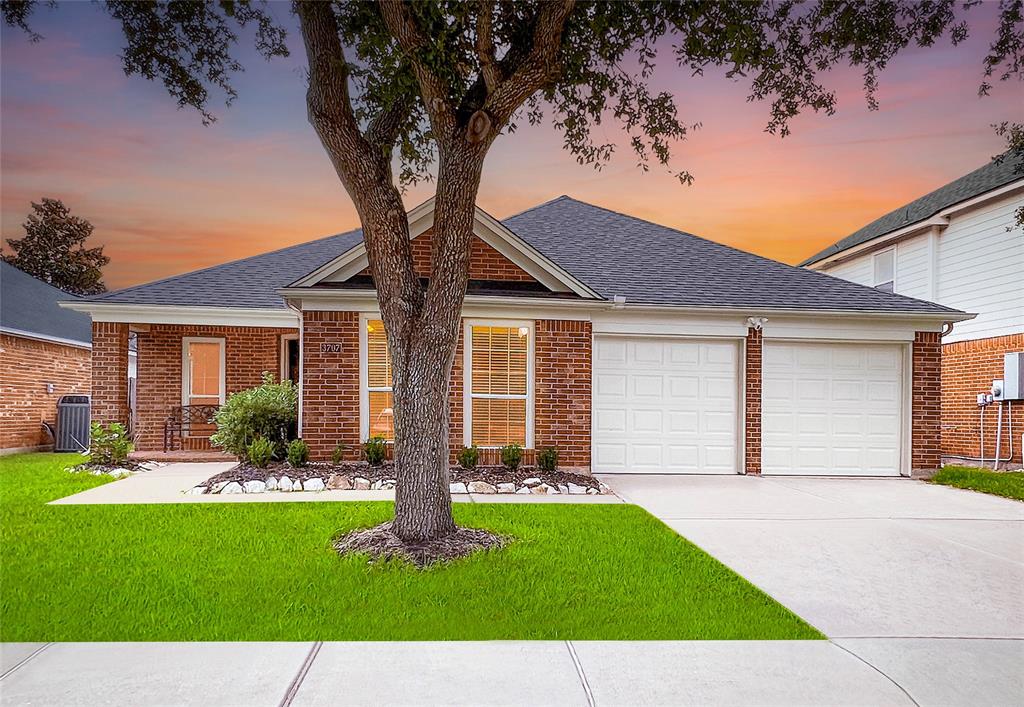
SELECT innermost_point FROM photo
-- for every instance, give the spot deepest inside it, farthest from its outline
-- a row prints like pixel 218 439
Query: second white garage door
pixel 831 408
pixel 665 405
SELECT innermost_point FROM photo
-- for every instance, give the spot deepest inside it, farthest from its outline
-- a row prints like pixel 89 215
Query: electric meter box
pixel 1013 376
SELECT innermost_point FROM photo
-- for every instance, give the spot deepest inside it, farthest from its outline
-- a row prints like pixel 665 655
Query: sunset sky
pixel 168 195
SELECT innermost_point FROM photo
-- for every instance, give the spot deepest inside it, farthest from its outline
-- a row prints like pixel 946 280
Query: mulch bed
pixel 492 475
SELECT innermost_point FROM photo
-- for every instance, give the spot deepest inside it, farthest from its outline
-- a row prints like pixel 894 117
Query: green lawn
pixel 266 571
pixel 999 483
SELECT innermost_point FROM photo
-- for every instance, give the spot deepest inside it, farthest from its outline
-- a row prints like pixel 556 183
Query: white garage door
pixel 832 409
pixel 665 405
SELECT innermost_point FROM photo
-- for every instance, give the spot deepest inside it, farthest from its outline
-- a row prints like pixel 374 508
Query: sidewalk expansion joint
pixel 296 682
pixel 579 671
pixel 26 659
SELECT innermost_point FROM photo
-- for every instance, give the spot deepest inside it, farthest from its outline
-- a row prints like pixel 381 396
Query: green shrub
pixel 547 459
pixel 260 452
pixel 268 411
pixel 511 456
pixel 375 450
pixel 109 445
pixel 468 457
pixel 338 455
pixel 298 453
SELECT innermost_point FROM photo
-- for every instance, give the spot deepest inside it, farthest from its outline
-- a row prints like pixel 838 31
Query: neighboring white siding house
pixel 969 257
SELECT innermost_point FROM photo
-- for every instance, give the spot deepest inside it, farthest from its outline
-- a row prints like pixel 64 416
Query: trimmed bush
pixel 375 450
pixel 109 445
pixel 511 456
pixel 260 452
pixel 298 453
pixel 468 457
pixel 269 410
pixel 338 455
pixel 547 459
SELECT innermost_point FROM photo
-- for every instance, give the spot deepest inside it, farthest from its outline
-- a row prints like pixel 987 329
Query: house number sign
pixel 330 348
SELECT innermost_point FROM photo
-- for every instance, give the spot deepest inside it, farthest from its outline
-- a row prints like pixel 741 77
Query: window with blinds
pixel 499 385
pixel 378 381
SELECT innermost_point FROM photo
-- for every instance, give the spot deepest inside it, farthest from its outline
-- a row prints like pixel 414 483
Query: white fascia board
pixel 939 221
pixel 624 319
pixel 168 314
pixel 864 330
pixel 45 337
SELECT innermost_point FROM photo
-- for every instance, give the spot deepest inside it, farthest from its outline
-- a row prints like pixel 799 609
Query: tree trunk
pixel 423 350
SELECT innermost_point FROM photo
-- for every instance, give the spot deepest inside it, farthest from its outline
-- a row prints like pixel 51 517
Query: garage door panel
pixel 678 400
pixel 832 408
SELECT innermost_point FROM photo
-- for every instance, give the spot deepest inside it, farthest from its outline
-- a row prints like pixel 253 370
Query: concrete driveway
pixel 857 557
pixel 923 583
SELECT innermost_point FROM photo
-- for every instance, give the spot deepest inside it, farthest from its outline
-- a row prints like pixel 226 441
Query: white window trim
pixel 364 376
pixel 283 354
pixel 186 376
pixel 874 268
pixel 467 375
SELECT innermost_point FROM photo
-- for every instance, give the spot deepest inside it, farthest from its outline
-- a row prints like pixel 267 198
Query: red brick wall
pixel 968 368
pixel 562 375
pixel 26 366
pixel 752 412
pixel 248 352
pixel 485 263
pixel 330 383
pixel 110 372
pixel 926 404
pixel 331 394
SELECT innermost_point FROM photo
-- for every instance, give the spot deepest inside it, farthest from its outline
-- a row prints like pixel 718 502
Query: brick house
pixel 629 346
pixel 958 245
pixel 44 354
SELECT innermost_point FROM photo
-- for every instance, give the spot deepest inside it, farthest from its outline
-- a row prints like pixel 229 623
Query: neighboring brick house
pixel 959 246
pixel 629 346
pixel 44 354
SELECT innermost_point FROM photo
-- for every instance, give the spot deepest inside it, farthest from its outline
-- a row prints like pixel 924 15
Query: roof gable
pixel 486 228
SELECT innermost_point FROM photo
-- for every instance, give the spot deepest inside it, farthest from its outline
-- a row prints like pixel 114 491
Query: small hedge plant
pixel 468 457
pixel 298 453
pixel 260 451
pixel 269 410
pixel 338 455
pixel 109 445
pixel 375 450
pixel 547 459
pixel 511 456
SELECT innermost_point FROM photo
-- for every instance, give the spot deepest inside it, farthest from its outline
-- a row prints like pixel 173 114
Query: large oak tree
pixel 400 91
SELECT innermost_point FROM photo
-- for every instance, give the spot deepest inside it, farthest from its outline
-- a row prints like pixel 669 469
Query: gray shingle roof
pixel 616 254
pixel 995 174
pixel 612 253
pixel 250 282
pixel 30 305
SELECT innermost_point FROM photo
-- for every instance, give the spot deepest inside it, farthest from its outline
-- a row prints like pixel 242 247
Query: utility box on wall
pixel 1013 377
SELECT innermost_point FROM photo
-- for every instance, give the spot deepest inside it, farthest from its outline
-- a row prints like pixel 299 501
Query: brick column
pixel 330 383
pixel 752 411
pixel 926 404
pixel 562 382
pixel 110 372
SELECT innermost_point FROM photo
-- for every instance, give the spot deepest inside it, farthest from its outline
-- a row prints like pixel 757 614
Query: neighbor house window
pixel 885 270
pixel 498 382
pixel 378 382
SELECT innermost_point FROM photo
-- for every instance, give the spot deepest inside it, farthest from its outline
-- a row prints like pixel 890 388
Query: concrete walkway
pixel 521 673
pixel 168 484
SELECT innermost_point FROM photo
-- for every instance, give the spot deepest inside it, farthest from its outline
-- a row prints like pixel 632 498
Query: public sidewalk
pixel 843 672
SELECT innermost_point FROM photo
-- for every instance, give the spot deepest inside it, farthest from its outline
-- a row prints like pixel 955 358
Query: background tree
pixel 54 251
pixel 399 92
